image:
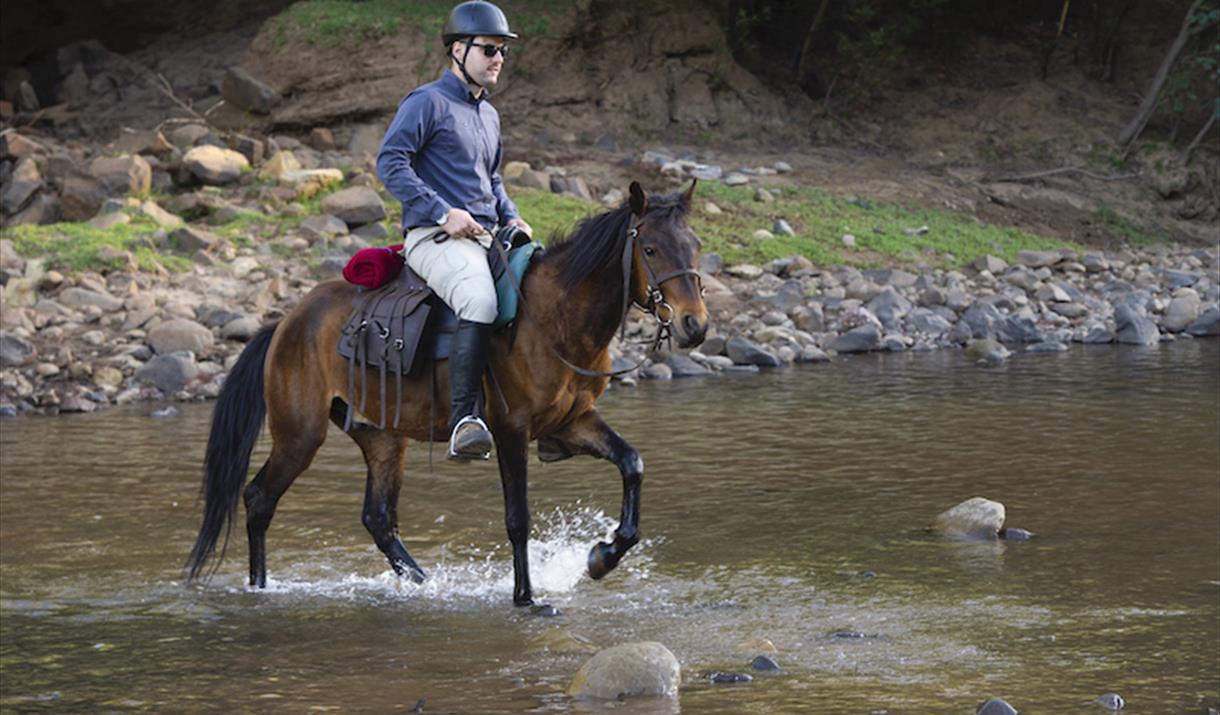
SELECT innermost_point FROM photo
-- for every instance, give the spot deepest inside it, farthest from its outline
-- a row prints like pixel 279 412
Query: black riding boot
pixel 470 438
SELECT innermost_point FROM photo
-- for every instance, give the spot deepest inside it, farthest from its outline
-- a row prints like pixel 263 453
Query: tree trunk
pixel 1198 138
pixel 806 77
pixel 1148 106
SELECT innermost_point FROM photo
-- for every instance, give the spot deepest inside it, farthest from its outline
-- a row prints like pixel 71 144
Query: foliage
pixel 79 246
pixel 1127 231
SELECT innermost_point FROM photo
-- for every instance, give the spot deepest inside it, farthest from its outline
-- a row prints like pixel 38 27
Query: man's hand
pixel 519 223
pixel 460 224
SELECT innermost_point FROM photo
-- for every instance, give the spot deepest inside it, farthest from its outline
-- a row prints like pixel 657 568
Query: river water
pixel 788 506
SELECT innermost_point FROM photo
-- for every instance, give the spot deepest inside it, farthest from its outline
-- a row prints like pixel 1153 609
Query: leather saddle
pixel 402 325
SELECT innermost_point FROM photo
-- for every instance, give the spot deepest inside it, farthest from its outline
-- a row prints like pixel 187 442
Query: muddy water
pixel 787 506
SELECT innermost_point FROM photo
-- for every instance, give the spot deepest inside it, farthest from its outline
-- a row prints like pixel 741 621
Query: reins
pixel 656 302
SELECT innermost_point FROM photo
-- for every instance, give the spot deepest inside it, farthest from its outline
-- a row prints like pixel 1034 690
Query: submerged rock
pixel 996 706
pixel 977 518
pixel 764 662
pixel 1014 534
pixel 646 668
pixel 1110 701
pixel 721 678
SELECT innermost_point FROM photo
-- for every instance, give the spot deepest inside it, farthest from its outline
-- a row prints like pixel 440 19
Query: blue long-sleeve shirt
pixel 442 151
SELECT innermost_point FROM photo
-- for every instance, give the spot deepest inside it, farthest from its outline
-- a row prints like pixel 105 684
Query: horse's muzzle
pixel 691 331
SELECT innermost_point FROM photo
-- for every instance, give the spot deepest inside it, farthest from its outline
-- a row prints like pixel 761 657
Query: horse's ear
pixel 688 194
pixel 639 201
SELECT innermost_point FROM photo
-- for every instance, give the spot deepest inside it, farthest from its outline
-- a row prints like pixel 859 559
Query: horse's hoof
pixel 545 610
pixel 417 576
pixel 601 560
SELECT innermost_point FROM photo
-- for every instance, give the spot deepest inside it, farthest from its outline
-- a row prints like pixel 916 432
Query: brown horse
pixel 550 373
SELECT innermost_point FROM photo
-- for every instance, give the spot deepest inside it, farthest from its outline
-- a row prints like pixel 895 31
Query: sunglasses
pixel 491 50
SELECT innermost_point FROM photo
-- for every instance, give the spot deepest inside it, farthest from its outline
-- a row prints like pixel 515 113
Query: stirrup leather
pixel 454 454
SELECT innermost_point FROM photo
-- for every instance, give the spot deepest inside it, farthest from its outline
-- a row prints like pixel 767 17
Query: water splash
pixel 460 574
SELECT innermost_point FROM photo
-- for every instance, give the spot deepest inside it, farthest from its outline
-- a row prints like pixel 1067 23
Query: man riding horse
pixel 441 159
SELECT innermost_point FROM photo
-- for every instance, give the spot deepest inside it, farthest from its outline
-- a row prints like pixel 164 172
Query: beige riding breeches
pixel 455 269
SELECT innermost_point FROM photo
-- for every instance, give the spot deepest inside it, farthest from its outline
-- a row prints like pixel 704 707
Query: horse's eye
pixel 650 251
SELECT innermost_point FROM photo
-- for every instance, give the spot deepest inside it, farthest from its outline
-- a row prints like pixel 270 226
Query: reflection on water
pixel 787 506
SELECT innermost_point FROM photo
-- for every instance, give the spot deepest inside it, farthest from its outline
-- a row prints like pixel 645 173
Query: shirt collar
pixel 457 89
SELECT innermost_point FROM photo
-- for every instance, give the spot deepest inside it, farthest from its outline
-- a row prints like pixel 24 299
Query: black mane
pixel 596 246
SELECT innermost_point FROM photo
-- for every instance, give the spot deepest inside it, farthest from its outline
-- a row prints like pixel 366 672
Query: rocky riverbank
pixel 225 233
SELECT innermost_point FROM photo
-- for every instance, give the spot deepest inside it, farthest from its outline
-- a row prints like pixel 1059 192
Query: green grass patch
pixel 551 214
pixel 81 247
pixel 885 234
pixel 337 23
pixel 342 22
pixel 819 220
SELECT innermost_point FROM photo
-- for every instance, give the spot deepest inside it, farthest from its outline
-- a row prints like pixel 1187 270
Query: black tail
pixel 236 423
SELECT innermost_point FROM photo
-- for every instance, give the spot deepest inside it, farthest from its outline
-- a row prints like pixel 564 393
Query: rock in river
pixel 996 706
pixel 977 518
pixel 646 668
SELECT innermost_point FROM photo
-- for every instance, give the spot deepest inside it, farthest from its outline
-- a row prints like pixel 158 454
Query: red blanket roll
pixel 374 267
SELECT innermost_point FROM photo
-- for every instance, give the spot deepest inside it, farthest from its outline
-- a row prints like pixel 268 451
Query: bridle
pixel 656 305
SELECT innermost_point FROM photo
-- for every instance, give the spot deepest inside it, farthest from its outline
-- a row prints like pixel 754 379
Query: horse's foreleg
pixel 591 435
pixel 511 452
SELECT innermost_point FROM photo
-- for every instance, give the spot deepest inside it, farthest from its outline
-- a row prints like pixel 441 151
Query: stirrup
pixel 479 446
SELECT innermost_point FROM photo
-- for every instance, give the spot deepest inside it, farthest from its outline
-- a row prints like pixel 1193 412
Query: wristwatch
pixel 444 217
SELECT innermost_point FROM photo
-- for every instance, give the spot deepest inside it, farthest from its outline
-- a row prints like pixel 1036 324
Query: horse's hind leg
pixel 296 434
pixel 385 453
pixel 263 494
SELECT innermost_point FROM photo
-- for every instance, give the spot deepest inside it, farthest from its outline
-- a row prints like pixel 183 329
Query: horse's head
pixel 665 265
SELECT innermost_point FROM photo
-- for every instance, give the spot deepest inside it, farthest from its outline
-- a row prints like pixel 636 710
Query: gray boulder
pixel 982 319
pixel 240 329
pixel 995 706
pixel 189 239
pixel 81 297
pixel 927 322
pixel 976 518
pixel 1207 324
pixel 169 373
pixel 1038 259
pixel 890 307
pixel 179 335
pixel 860 339
pixel 1133 327
pixel 243 91
pixel 683 366
pixel 745 352
pixel 81 197
pixel 122 175
pixel 990 263
pixel 215 165
pixel 14 349
pixel 22 184
pixel 356 206
pixel 626 670
pixel 1093 333
pixel 1018 329
pixel 1182 311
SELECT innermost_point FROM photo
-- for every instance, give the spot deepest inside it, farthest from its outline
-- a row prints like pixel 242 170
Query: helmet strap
pixel 462 64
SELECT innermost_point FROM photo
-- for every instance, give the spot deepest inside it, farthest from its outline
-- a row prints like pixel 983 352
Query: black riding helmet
pixel 474 18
